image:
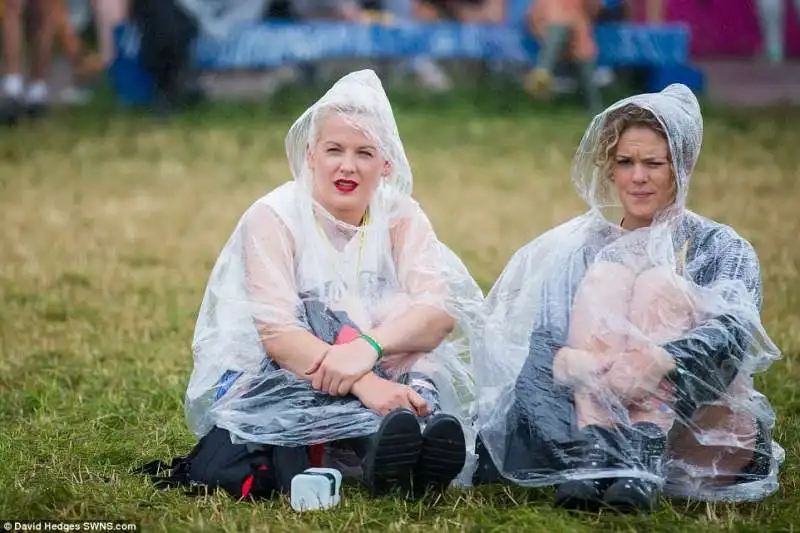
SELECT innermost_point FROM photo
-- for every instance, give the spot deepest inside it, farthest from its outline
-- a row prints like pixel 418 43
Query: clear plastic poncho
pixel 685 287
pixel 290 265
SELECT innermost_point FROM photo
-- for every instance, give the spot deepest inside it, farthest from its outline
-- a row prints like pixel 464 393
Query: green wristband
pixel 373 343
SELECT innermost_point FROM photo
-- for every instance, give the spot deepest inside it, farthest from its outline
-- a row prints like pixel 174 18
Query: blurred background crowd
pixel 56 51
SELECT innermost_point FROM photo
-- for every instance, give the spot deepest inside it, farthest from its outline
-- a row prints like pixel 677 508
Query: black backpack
pixel 242 470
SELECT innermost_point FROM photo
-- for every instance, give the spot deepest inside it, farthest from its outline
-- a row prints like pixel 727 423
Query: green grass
pixel 112 221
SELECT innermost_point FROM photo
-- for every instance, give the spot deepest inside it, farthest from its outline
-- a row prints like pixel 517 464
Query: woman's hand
pixel 637 374
pixel 383 396
pixel 576 367
pixel 338 368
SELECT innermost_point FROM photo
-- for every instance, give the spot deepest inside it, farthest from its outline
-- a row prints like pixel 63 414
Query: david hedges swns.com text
pixel 45 525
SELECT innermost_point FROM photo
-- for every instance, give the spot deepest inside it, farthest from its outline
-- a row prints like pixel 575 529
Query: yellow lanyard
pixel 682 257
pixel 362 239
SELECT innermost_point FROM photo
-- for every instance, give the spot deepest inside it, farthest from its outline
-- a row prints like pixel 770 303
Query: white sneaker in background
pixel 431 75
pixel 37 94
pixel 12 86
pixel 603 76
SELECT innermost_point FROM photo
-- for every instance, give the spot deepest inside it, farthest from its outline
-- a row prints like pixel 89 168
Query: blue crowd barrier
pixel 273 44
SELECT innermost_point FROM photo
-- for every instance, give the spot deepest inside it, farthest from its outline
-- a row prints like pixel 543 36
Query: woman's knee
pixel 606 286
pixel 661 303
pixel 606 274
pixel 661 283
pixel 602 298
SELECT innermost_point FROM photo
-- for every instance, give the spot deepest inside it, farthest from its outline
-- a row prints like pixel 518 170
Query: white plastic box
pixel 315 489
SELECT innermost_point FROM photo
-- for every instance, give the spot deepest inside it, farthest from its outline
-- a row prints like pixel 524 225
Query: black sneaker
pixel 443 455
pixel 392 453
pixel 630 495
pixel 636 494
pixel 601 449
pixel 581 495
pixel 11 110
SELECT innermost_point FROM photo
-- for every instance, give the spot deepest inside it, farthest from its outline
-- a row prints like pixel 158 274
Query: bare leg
pixel 721 442
pixel 85 64
pixel 557 23
pixel 42 40
pixel 64 33
pixel 661 309
pixel 12 84
pixel 600 310
pixel 41 45
pixel 550 22
pixel 722 438
pixel 597 329
pixel 12 37
pixel 108 15
pixel 655 11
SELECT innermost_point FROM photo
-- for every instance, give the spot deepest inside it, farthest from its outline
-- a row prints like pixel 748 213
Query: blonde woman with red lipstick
pixel 334 326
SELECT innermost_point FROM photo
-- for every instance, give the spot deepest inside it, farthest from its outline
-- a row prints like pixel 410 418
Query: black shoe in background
pixel 11 110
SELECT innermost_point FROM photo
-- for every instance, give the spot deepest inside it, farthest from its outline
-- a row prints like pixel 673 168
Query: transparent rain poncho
pixel 291 266
pixel 577 300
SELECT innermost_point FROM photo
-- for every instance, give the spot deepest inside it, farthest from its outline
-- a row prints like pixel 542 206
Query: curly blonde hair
pixel 617 122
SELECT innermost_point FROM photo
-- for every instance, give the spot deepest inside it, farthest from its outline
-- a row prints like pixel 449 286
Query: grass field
pixel 112 221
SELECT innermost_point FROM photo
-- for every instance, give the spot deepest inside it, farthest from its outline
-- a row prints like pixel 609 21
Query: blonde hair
pixel 358 116
pixel 617 122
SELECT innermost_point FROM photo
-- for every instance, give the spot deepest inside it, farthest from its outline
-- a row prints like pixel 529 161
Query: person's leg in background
pixel 108 14
pixel 167 34
pixel 80 63
pixel 584 53
pixel 772 17
pixel 552 28
pixel 655 11
pixel 86 64
pixel 610 12
pixel 13 85
pixel 428 72
pixel 64 33
pixel 557 23
pixel 37 97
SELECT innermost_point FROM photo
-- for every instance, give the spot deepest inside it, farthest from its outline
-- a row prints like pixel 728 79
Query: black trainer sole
pixel 390 461
pixel 628 496
pixel 578 495
pixel 443 455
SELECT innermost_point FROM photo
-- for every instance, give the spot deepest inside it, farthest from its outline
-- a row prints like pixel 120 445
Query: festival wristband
pixel 372 342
